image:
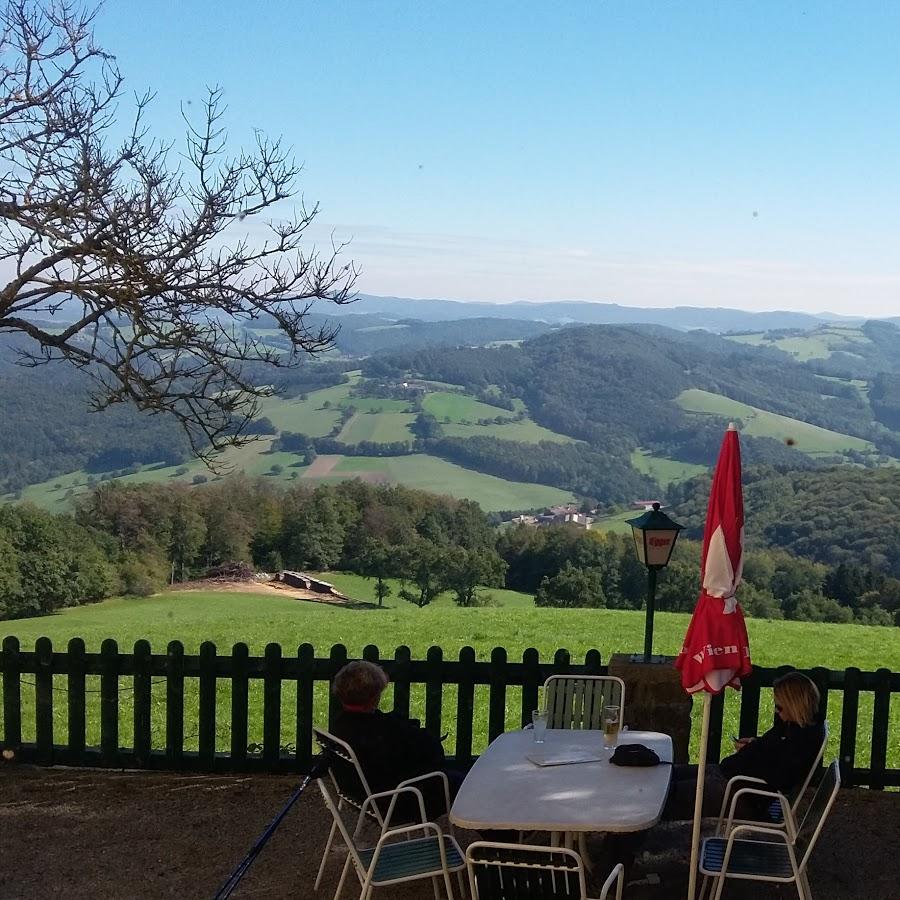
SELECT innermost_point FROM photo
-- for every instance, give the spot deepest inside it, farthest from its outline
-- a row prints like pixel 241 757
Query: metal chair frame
pixel 519 872
pixel 780 803
pixel 796 842
pixel 336 747
pixel 415 853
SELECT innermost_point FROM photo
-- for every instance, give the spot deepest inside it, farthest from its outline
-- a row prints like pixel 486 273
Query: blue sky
pixel 712 154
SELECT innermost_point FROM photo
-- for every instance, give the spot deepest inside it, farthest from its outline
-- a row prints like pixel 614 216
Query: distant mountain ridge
pixel 587 312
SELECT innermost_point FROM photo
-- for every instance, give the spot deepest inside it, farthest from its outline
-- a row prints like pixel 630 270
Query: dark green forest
pixel 137 538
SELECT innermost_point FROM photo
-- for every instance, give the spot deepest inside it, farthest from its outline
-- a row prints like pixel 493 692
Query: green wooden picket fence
pixel 256 713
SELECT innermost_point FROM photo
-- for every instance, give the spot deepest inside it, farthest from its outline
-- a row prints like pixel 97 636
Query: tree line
pixel 137 538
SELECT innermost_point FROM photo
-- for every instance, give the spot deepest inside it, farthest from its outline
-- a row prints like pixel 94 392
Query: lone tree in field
pixel 138 250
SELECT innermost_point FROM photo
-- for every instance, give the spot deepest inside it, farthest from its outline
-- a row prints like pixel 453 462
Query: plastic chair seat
pixel 760 858
pixel 410 858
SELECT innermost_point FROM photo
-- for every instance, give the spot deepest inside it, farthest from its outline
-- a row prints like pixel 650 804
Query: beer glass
pixel 611 725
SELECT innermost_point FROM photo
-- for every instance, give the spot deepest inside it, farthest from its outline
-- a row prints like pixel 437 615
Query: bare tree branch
pixel 143 249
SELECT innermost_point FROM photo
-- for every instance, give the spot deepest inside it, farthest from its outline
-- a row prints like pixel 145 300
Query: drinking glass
pixel 539 724
pixel 611 724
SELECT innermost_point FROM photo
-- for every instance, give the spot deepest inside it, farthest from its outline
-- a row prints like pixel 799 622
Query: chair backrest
pixel 801 790
pixel 819 807
pixel 345 772
pixel 577 701
pixel 524 872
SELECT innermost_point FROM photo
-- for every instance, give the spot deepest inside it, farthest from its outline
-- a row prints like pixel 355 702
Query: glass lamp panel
pixel 639 548
pixel 659 547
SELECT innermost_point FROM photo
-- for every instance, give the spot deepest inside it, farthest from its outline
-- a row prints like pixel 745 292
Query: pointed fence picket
pixel 47 695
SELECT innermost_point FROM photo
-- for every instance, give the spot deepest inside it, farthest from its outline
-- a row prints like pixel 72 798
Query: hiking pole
pixel 320 764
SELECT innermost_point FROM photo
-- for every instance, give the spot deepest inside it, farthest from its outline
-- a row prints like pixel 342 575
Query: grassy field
pixel 380 427
pixel 258 619
pixel 809 439
pixel 665 471
pixel 459 416
pixel 441 477
pixel 616 523
pixel 818 344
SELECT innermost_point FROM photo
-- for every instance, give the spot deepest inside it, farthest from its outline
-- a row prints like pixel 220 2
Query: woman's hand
pixel 740 743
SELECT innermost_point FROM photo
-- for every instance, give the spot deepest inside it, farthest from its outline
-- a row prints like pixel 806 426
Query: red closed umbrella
pixel 716 651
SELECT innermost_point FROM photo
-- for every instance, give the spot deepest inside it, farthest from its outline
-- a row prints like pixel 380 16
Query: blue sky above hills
pixel 711 154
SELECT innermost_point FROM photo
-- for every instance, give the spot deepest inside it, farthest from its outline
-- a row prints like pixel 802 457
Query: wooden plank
pixel 748 725
pixel 849 726
pixel 12 695
pixel 465 706
pixel 716 713
pixel 305 658
pixel 401 678
pixel 206 731
pixel 240 654
pixel 272 704
pixel 531 684
pixel 881 709
pixel 75 700
pixel 109 702
pixel 175 704
pixel 497 698
pixel 337 659
pixel 43 701
pixel 434 690
pixel 822 677
pixel 143 703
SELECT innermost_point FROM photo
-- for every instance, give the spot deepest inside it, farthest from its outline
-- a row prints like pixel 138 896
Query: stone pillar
pixel 655 699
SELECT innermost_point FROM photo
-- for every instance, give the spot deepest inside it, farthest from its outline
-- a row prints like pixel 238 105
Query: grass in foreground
pixel 258 619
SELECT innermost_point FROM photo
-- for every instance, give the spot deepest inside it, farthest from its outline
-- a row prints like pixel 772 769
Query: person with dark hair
pixel 390 748
pixel 781 757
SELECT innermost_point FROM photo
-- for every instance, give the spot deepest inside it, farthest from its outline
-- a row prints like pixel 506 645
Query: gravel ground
pixel 130 836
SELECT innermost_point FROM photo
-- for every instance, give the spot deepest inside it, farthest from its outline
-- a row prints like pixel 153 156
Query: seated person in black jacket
pixel 390 748
pixel 781 757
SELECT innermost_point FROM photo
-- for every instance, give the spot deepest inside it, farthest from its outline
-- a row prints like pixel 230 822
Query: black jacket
pixel 389 748
pixel 781 757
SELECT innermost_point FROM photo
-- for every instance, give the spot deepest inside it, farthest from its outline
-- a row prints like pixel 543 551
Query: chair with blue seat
pixel 409 853
pixel 759 852
pixel 350 789
pixel 499 871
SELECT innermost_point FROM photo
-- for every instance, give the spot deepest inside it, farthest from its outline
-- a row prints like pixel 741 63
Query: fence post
pixel 206 712
pixel 748 725
pixel 143 703
pixel 716 712
pixel 12 695
pixel 109 702
pixel 338 660
pixel 240 655
pixel 821 676
pixel 174 703
pixel 497 701
pixel 465 705
pixel 434 660
pixel 43 701
pixel 76 663
pixel 849 725
pixel 402 659
pixel 531 682
pixel 881 708
pixel 272 705
pixel 306 655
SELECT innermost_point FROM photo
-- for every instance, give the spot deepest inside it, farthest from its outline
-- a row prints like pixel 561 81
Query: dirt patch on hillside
pixel 112 835
pixel 321 466
pixel 268 587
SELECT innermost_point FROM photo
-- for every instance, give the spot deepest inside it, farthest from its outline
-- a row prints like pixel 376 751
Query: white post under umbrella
pixel 698 799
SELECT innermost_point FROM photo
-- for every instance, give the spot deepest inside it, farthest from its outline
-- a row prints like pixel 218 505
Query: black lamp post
pixel 654 540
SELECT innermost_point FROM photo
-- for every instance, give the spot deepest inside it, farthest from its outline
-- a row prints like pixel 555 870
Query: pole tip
pixel 732 426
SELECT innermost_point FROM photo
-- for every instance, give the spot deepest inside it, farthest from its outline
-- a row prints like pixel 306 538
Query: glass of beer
pixel 611 725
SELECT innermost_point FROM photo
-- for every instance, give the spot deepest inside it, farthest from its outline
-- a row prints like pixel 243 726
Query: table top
pixel 505 790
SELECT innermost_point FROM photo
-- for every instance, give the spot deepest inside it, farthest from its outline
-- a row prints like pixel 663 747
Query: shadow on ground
pixel 122 836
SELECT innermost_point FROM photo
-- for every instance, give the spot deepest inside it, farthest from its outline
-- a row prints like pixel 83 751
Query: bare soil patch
pixel 137 836
pixel 268 587
pixel 321 466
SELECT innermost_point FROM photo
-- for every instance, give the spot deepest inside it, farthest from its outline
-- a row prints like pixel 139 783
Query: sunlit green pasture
pixel 258 619
pixel 665 471
pixel 807 438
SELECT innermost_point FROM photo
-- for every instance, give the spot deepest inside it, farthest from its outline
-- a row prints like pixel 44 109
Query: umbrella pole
pixel 698 799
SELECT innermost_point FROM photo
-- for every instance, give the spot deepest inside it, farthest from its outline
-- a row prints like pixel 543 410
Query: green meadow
pixel 258 619
pixel 808 438
pixel 665 471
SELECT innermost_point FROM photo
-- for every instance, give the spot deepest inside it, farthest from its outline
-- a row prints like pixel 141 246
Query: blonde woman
pixel 783 755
